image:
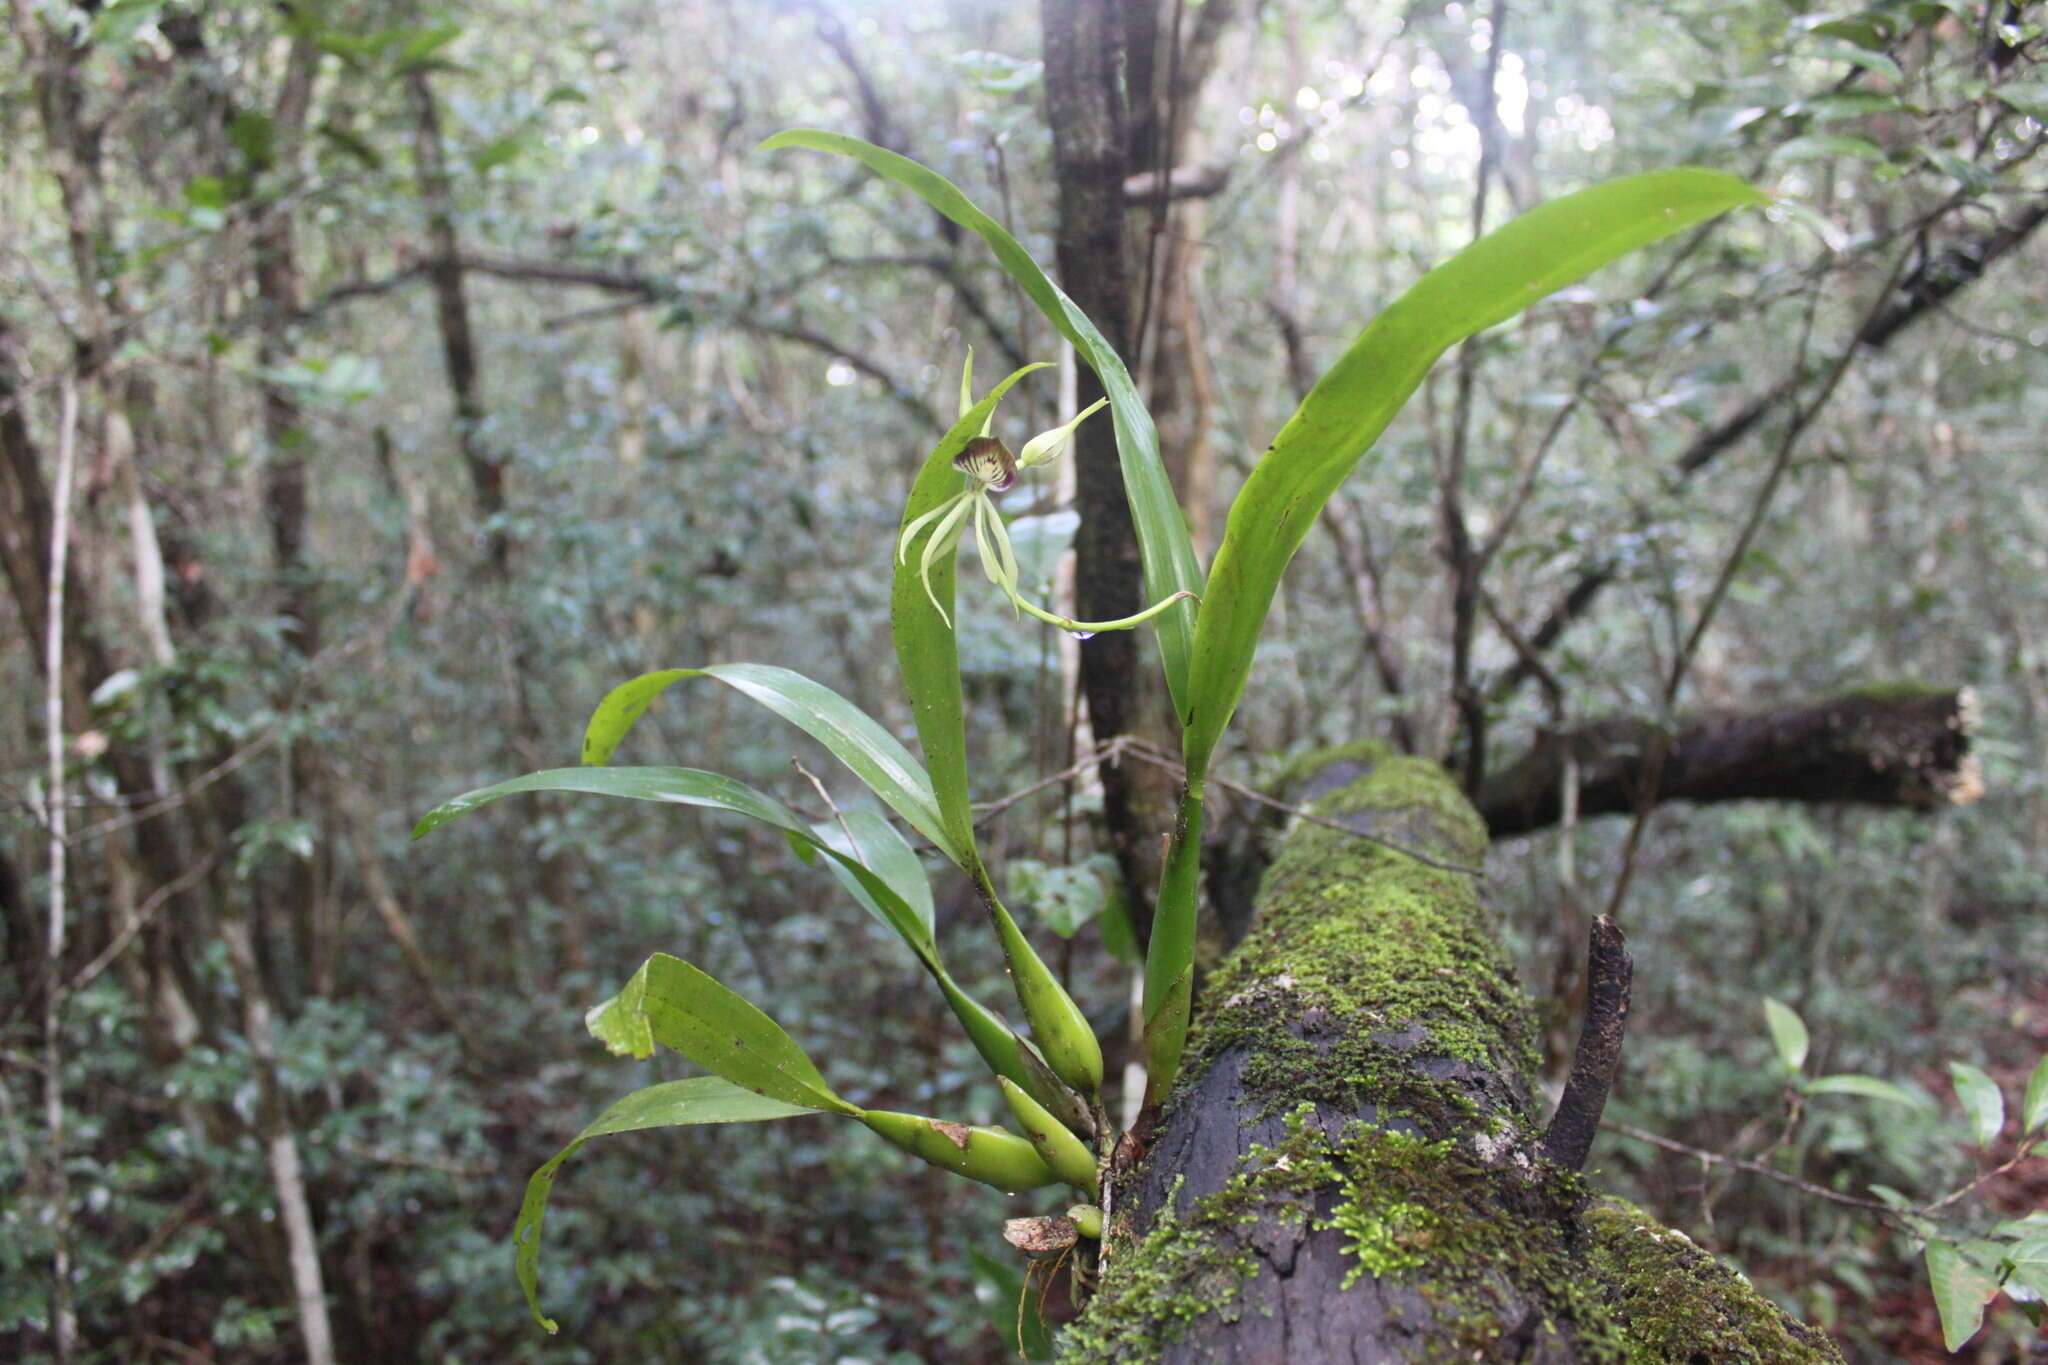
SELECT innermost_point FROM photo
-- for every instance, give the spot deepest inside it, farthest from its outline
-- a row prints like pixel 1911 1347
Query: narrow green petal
pixel 967 384
pixel 943 538
pixel 990 565
pixel 1001 534
pixel 1068 623
pixel 919 523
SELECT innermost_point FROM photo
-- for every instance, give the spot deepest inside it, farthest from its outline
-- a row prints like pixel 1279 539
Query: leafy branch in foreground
pixel 1207 637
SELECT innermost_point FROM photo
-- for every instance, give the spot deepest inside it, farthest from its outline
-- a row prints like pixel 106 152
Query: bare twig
pixel 1707 1158
pixel 156 901
pixel 1145 753
pixel 1569 1138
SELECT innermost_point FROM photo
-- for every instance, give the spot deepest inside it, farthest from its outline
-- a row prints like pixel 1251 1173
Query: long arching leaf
pixel 884 880
pixel 1488 282
pixel 713 791
pixel 672 1104
pixel 855 738
pixel 1163 541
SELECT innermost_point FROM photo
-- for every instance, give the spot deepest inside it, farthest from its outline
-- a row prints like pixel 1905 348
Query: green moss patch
pixel 1683 1307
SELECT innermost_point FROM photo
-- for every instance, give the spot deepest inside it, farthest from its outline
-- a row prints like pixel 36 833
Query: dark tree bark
pixel 1351 1168
pixel 1883 746
pixel 1084 100
pixel 451 306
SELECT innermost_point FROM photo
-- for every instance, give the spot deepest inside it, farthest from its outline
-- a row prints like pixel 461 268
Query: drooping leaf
pixel 694 787
pixel 672 1104
pixel 1163 541
pixel 672 1003
pixel 1488 282
pixel 1961 1289
pixel 1869 1087
pixel 997 1043
pixel 497 152
pixel 1981 1100
pixel 1788 1034
pixel 1820 146
pixel 854 737
pixel 927 652
pixel 1877 63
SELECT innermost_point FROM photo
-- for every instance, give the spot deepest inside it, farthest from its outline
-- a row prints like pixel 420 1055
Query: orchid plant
pixel 1206 627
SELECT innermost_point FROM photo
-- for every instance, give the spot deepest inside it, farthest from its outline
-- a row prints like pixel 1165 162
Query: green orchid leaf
pixel 927 651
pixel 1488 282
pixel 1170 953
pixel 889 883
pixel 864 838
pixel 673 1104
pixel 672 1003
pixel 1166 1034
pixel 1166 549
pixel 855 738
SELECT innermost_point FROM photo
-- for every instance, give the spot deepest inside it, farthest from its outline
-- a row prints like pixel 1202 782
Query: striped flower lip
pixel 991 468
pixel 989 462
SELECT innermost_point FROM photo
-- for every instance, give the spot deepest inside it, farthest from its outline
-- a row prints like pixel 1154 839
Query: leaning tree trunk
pixel 1351 1168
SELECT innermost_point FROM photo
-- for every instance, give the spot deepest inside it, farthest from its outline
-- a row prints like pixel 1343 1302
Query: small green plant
pixel 1965 1271
pixel 1207 628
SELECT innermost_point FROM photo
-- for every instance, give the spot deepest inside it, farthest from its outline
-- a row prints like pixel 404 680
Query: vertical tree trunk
pixel 1084 100
pixel 451 306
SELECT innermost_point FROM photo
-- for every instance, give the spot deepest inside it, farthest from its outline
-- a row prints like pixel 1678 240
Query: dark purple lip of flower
pixel 990 461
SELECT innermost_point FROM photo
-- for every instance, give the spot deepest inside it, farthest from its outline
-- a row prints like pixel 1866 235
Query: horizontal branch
pixel 1884 746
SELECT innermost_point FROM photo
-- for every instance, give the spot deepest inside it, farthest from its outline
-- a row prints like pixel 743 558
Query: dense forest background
pixel 407 377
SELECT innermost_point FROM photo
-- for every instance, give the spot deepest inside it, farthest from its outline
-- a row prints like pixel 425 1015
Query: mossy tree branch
pixel 1351 1168
pixel 1888 745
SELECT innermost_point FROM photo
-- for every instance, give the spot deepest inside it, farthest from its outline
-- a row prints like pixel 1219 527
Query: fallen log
pixel 1888 745
pixel 1352 1168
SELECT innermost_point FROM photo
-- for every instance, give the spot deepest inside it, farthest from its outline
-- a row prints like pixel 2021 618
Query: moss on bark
pixel 1349 1165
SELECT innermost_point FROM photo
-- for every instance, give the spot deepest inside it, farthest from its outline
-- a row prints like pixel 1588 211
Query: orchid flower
pixel 991 468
